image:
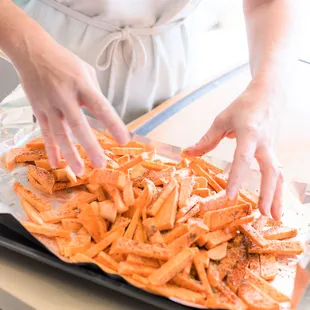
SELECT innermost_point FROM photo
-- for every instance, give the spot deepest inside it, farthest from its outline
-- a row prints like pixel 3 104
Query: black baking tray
pixel 15 238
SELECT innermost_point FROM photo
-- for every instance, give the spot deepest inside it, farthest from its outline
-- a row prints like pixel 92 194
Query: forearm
pixel 19 34
pixel 271 29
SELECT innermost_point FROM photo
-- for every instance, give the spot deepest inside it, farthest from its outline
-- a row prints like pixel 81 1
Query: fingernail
pixel 99 162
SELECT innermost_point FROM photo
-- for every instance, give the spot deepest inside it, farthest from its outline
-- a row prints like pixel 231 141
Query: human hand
pixel 57 84
pixel 251 119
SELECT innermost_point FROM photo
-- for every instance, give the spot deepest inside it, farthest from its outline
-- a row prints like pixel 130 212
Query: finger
pixel 94 100
pixel 277 203
pixel 270 174
pixel 241 164
pixel 80 128
pixel 208 142
pixel 61 135
pixel 51 147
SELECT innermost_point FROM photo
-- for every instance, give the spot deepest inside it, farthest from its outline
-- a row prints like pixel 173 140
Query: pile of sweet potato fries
pixel 165 227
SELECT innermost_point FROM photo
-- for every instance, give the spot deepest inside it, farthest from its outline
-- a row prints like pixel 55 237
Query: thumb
pixel 208 142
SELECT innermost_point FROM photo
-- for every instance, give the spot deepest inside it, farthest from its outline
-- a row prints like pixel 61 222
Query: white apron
pixel 139 48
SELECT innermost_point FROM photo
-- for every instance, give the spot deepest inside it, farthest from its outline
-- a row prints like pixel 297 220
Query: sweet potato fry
pixel 137 192
pixel 101 221
pixel 201 172
pixel 58 186
pixel 216 202
pixel 273 223
pixel 106 260
pixel 62 243
pixel 206 165
pixel 254 263
pixel 214 238
pixel 190 214
pixel 30 156
pixel 280 233
pixel 43 177
pixel 138 260
pixel 155 207
pixel 157 251
pixel 55 216
pixel 108 210
pixel 71 224
pixel 236 275
pixel 44 163
pixel 133 225
pixel 60 175
pixel 172 267
pixel 127 269
pixel 219 218
pixel 96 190
pixel 152 232
pixel 151 165
pixel 268 266
pixel 187 270
pixel 31 212
pixel 115 194
pixel 254 235
pixel 128 195
pixel 191 203
pixel 108 176
pixel 80 198
pixel 265 286
pixel 141 280
pixel 200 182
pixel 221 179
pixel 260 223
pixel 202 275
pixel 39 203
pixel 186 240
pixel 36 184
pixel 249 197
pixel 219 301
pixel 124 159
pixel 132 151
pixel 255 299
pixel 10 157
pixel 165 218
pixel 136 160
pixel 175 233
pixel 79 244
pixel 49 230
pixel 202 192
pixel 243 220
pixel 277 247
pixel 186 188
pixel 218 252
pixel 35 144
pixel 187 282
pixel 140 233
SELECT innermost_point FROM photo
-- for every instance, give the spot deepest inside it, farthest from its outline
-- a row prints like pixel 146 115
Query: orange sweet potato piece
pixel 175 233
pixel 10 157
pixel 36 144
pixel 30 156
pixel 138 260
pixel 108 210
pixel 133 225
pixel 132 151
pixel 55 216
pixel 268 266
pixel 79 244
pixel 124 159
pixel 39 203
pixel 43 177
pixel 279 233
pixel 31 212
pixel 200 182
pixel 152 232
pixel 44 163
pixel 255 236
pixel 202 192
pixel 151 165
pixel 255 299
pixel 187 282
pixel 115 194
pixel 206 165
pixel 49 230
pixel 128 195
pixel 127 269
pixel 218 252
pixel 254 263
pixel 242 220
pixel 96 190
pixel 107 176
pixel 260 223
pixel 136 160
pixel 71 224
pixel 78 199
pixel 277 247
pixel 171 268
pixel 237 274
pixel 186 188
pixel 249 197
pixel 217 219
pixel 106 260
pixel 214 238
pixel 190 214
pixel 221 179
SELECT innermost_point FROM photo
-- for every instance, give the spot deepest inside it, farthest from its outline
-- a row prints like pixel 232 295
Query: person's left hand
pixel 252 120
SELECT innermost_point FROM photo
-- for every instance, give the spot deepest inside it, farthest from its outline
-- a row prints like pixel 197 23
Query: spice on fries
pixel 166 227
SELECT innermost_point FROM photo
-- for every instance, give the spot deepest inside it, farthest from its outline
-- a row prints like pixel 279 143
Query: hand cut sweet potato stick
pixel 140 233
pixel 108 176
pixel 148 164
pixel 79 244
pixel 58 186
pixel 132 151
pixel 202 275
pixel 201 172
pixel 35 144
pixel 236 275
pixel 190 214
pixel 221 179
pixel 146 197
pixel 155 207
pixel 202 192
pixel 242 220
pixel 214 238
pixel 152 232
pixel 43 177
pixel 175 233
pixel 138 260
pixel 219 218
pixel 62 243
pixel 30 156
pixel 108 239
pixel 36 184
pixel 273 223
pixel 115 194
pixel 10 157
pixel 80 198
pixel 216 202
pixel 39 203
pixel 255 299
pixel 249 197
pixel 186 188
pixel 219 301
pixel 187 282
pixel 279 233
pixel 127 269
pixel 265 286
pixel 137 192
pixel 186 240
pixel 44 163
pixel 260 223
pixel 136 160
pixel 108 210
pixel 31 212
pixel 128 195
pixel 165 218
pixel 71 224
pixel 200 182
pixel 218 252
pixel 187 270
pixel 285 247
pixel 133 225
pixel 124 159
pixel 254 263
pixel 172 267
pixel 101 221
pixel 191 203
pixel 96 190
pixel 157 251
pixel 268 266
pixel 48 230
pixel 206 165
pixel 254 235
pixel 106 260
pixel 55 216
pixel 204 257
pixel 60 175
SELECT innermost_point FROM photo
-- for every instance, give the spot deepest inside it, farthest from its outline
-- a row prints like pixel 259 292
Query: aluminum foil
pixel 17 133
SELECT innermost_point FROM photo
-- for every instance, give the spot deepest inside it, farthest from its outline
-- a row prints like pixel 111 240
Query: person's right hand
pixel 57 84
